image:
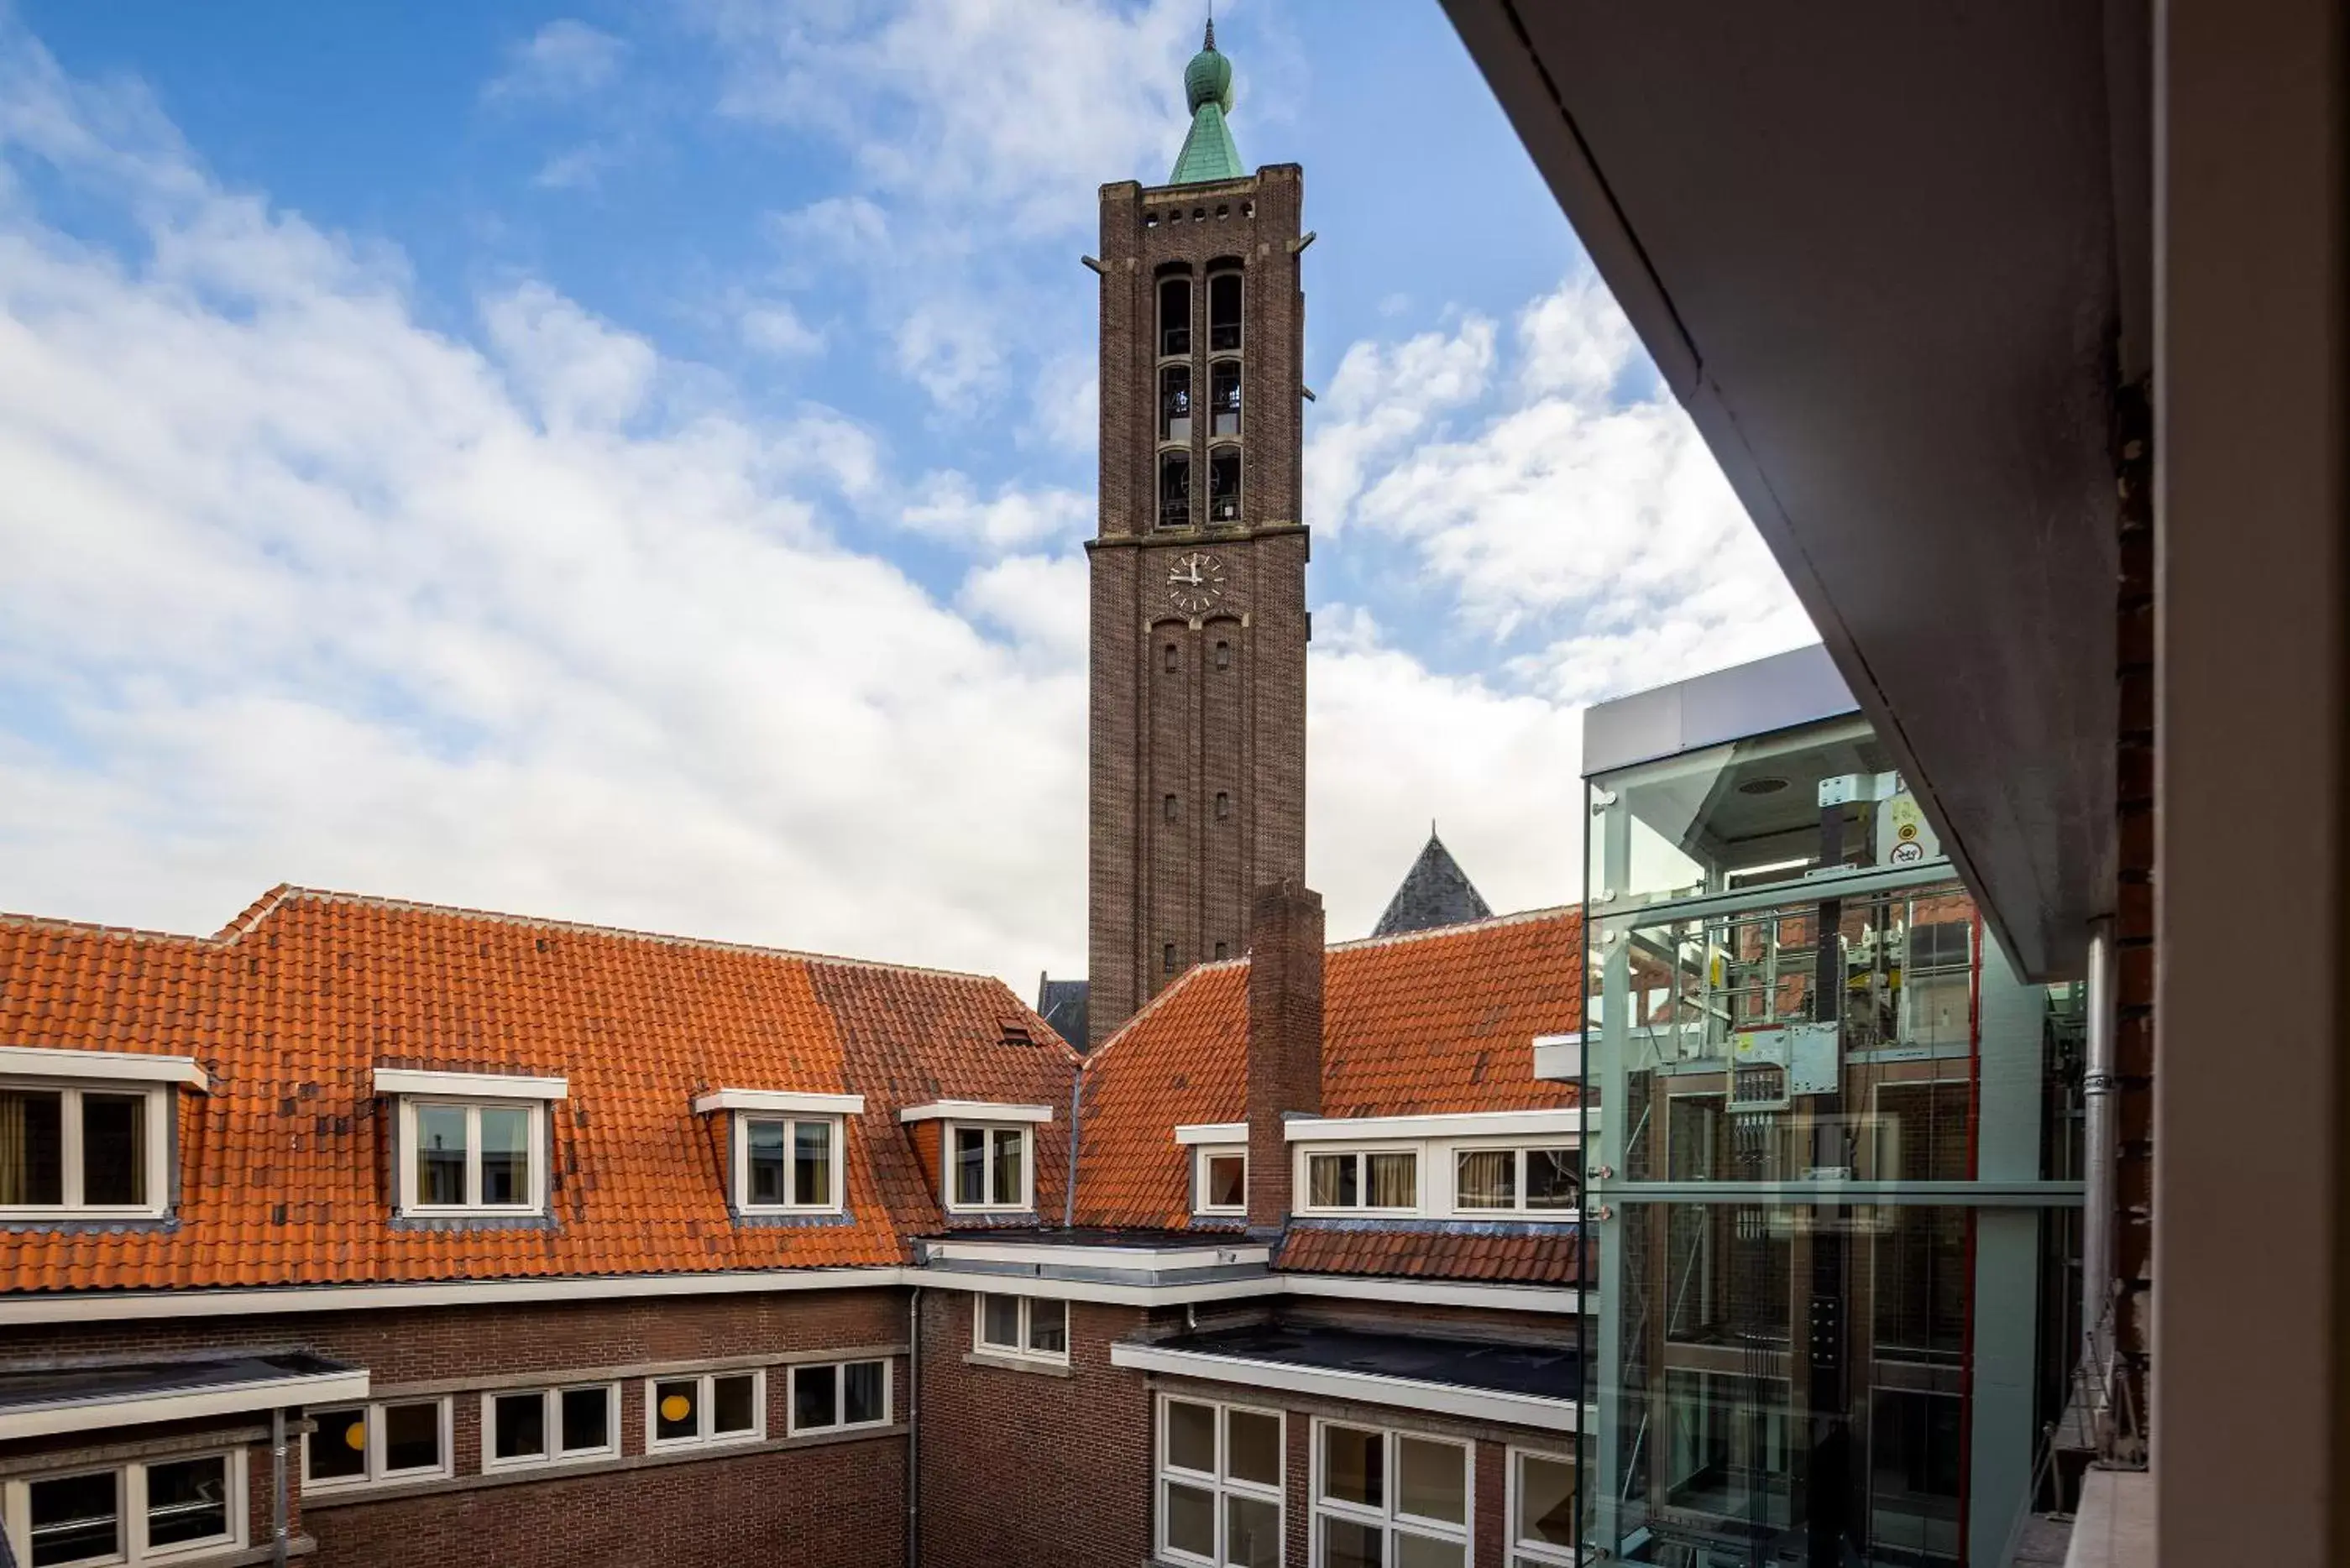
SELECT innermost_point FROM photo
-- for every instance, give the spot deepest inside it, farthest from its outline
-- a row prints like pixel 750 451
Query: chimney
pixel 1284 1038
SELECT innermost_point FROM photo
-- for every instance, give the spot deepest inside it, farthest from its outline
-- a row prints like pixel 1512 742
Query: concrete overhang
pixel 1894 261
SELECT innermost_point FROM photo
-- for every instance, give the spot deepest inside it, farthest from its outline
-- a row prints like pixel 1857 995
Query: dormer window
pixel 988 1153
pixel 469 1144
pixel 786 1150
pixel 1220 1179
pixel 88 1132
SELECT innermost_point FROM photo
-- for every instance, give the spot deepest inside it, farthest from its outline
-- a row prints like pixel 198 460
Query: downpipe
pixel 914 1428
pixel 278 1543
pixel 2098 1158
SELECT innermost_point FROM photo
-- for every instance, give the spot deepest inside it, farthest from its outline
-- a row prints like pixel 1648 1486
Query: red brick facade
pixel 1198 707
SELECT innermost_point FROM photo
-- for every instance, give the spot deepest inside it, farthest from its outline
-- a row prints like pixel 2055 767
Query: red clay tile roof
pixel 1536 1258
pixel 1433 1021
pixel 290 1008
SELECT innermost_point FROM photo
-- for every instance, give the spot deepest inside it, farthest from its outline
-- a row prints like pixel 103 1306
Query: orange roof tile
pixel 290 1008
pixel 1526 1258
pixel 1431 1022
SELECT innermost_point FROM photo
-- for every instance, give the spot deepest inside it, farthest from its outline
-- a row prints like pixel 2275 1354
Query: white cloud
pixel 1592 522
pixel 1016 107
pixel 579 169
pixel 838 228
pixel 1040 601
pixel 947 507
pixel 773 327
pixel 950 346
pixel 575 369
pixel 564 60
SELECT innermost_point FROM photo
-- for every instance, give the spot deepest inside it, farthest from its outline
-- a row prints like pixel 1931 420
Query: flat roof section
pixel 1524 1383
pixel 1800 687
pixel 38 1402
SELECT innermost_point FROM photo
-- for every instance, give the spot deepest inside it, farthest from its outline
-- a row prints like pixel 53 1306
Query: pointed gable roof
pixel 1435 892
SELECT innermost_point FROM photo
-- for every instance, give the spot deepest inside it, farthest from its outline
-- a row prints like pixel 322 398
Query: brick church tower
pixel 1198 710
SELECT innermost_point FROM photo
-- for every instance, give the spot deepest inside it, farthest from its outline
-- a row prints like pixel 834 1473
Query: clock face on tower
pixel 1195 581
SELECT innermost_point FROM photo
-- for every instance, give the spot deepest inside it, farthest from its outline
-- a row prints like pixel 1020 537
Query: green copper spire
pixel 1208 153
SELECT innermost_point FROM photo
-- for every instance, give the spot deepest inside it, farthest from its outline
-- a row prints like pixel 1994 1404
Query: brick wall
pixel 830 1502
pixel 1203 727
pixel 1021 1469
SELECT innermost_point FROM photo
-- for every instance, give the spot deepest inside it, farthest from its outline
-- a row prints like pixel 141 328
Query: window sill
pixel 388 1492
pixel 241 1556
pixel 1018 1363
pixel 86 1222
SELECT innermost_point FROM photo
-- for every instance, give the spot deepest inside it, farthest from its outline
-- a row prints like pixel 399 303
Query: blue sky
pixel 626 461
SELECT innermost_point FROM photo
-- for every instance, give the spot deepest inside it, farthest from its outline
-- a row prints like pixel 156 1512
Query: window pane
pixel 1224 311
pixel 1252 1532
pixel 815 1393
pixel 1175 403
pixel 999 1321
pixel 675 1404
pixel 970 1165
pixel 113 1149
pixel 1432 1480
pixel 1354 1466
pixel 762 1152
pixel 734 1403
pixel 412 1437
pixel 1008 1185
pixel 864 1394
pixel 187 1499
pixel 1224 485
pixel 1191 1436
pixel 1488 1178
pixel 1174 489
pixel 1545 1500
pixel 1191 1519
pixel 440 1153
pixel 1049 1327
pixel 1224 399
pixel 1175 316
pixel 812 1163
pixel 1394 1180
pixel 505 1155
pixel 338 1450
pixel 1331 1179
pixel 1253 1446
pixel 521 1427
pixel 1227 1181
pixel 73 1518
pixel 1554 1178
pixel 31 1147
pixel 1346 1544
pixel 586 1420
pixel 1422 1551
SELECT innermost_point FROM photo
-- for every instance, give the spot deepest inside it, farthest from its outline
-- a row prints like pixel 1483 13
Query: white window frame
pixel 1521 1148
pixel 1390 1518
pixel 551 1420
pixel 705 1411
pixel 839 1370
pixel 981 1346
pixel 1201 1154
pixel 1524 1553
pixel 742 1161
pixel 1027 1200
pixel 1306 1153
pixel 377 1473
pixel 159 1165
pixel 130 1510
pixel 410 1104
pixel 1220 1483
